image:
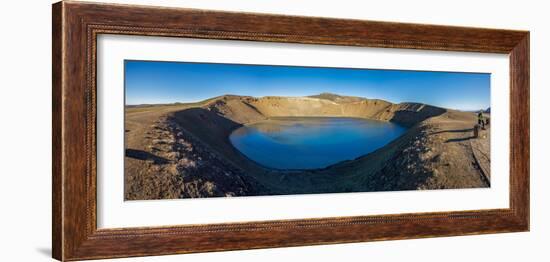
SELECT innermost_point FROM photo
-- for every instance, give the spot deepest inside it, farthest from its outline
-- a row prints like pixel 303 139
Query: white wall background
pixel 25 133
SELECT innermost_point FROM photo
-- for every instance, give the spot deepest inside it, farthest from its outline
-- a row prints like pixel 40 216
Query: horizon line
pixel 304 96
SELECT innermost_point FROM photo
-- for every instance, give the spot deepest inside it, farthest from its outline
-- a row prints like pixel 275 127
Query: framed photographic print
pixel 181 130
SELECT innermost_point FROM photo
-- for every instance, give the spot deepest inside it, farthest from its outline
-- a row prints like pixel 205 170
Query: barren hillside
pixel 198 160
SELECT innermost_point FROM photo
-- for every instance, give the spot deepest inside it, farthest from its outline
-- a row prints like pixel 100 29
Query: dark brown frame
pixel 76 26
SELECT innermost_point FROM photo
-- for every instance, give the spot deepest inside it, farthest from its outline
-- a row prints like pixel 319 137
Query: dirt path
pixel 436 154
pixel 459 163
pixel 482 153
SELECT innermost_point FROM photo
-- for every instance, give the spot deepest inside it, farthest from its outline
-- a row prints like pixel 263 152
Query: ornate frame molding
pixel 76 26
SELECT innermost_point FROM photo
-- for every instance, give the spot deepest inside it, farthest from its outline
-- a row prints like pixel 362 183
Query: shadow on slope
pixel 143 155
pixel 409 114
pixel 212 131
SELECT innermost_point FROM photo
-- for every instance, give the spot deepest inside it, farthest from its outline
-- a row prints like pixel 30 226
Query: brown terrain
pixel 183 150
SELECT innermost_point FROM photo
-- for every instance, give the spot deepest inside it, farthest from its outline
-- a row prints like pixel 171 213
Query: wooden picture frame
pixel 76 26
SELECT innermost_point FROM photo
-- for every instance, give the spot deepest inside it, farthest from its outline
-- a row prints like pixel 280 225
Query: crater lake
pixel 312 142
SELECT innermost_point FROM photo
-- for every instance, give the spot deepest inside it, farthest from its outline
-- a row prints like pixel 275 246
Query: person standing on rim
pixel 480 120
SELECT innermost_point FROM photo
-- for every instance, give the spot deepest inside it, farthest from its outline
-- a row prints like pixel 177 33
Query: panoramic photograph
pixel 197 130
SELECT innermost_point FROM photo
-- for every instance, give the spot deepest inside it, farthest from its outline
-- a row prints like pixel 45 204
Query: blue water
pixel 311 142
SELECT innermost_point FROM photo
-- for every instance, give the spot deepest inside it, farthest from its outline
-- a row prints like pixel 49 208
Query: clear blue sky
pixel 148 82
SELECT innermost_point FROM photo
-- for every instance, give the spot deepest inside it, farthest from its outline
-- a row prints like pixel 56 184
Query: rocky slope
pixel 244 110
